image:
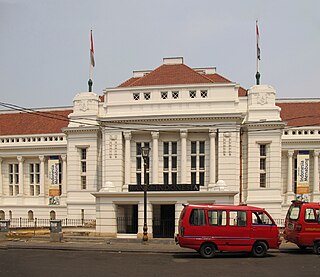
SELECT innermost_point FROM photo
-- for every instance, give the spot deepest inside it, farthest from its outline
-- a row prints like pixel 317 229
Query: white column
pixel 21 183
pixel 1 184
pixel 289 173
pixel 212 173
pixel 316 171
pixel 127 157
pixel 183 137
pixel 155 157
pixel 41 158
pixel 64 175
pixel 289 194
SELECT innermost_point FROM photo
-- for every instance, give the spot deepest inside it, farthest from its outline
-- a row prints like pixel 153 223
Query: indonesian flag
pixel 258 41
pixel 91 50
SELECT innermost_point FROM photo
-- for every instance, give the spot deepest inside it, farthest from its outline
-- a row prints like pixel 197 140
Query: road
pixel 63 263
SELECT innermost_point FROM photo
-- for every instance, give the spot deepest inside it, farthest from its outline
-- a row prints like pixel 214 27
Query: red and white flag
pixel 91 50
pixel 258 41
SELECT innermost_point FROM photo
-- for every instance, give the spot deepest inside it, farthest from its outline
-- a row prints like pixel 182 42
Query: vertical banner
pixel 53 175
pixel 303 172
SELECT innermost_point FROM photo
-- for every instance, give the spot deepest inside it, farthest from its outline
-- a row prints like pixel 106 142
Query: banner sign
pixel 53 175
pixel 303 173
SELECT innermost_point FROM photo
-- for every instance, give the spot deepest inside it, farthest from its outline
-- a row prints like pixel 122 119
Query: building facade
pixel 210 141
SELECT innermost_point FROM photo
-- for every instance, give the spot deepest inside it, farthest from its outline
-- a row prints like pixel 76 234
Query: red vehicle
pixel 212 228
pixel 302 225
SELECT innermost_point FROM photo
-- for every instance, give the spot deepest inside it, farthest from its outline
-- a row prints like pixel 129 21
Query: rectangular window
pixel 193 94
pixel 175 94
pixel 238 218
pixel 147 95
pixel 13 179
pixel 164 94
pixel 140 162
pixel 204 93
pixel 198 162
pixel 136 96
pixel 263 165
pixel 34 178
pixel 83 169
pixel 217 218
pixel 170 162
pixel 83 182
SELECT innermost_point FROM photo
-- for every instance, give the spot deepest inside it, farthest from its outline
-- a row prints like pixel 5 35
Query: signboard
pixel 176 187
pixel 53 175
pixel 303 173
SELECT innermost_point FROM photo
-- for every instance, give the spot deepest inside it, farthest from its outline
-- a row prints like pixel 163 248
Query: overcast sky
pixel 45 44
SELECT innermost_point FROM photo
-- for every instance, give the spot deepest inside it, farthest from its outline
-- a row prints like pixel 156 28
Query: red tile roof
pixel 300 113
pixel 33 123
pixel 176 74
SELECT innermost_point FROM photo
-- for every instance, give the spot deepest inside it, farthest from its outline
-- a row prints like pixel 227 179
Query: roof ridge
pixel 202 75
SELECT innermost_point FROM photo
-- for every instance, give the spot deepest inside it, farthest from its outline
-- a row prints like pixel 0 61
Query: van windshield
pixel 293 212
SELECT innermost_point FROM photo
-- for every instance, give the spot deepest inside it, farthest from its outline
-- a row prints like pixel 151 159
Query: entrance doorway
pixel 163 221
pixel 127 219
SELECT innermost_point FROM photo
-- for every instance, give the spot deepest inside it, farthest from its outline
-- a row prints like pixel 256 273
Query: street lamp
pixel 145 155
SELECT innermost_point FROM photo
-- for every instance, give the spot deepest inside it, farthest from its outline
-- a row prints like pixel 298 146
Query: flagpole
pixel 92 63
pixel 258 54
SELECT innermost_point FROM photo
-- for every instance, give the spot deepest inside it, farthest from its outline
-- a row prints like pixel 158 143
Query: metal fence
pixel 280 222
pixel 45 222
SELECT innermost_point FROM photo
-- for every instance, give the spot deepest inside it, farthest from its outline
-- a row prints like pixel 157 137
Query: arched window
pixel 52 215
pixel 2 215
pixel 10 215
pixel 30 215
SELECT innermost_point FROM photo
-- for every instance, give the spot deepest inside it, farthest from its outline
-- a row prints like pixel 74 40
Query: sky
pixel 45 44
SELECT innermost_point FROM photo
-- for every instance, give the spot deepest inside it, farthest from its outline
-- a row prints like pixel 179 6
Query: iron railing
pixel 127 225
pixel 45 222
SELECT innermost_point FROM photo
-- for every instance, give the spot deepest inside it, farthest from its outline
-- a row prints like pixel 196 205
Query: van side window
pixel 197 217
pixel 261 218
pixel 237 218
pixel 309 215
pixel 217 218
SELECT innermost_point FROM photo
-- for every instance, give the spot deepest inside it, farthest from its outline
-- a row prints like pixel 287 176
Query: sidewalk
pixel 86 243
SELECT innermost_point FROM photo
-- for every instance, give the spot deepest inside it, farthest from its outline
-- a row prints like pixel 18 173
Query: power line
pixel 55 116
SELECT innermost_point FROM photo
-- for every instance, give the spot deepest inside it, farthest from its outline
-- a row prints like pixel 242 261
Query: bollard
pixel 55 231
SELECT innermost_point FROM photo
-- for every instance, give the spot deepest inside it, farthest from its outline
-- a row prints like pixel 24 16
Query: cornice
pixel 90 129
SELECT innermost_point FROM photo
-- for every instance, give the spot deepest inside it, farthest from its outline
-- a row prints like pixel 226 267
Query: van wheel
pixel 259 249
pixel 316 248
pixel 207 250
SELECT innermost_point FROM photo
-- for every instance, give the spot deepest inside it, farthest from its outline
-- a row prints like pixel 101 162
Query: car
pixel 302 225
pixel 209 229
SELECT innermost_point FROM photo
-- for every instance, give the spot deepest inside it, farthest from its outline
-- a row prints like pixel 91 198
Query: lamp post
pixel 145 155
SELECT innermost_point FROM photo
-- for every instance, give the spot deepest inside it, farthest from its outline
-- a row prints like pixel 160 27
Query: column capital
pixel 316 152
pixel 127 135
pixel 212 133
pixel 41 158
pixel 290 153
pixel 20 159
pixel 183 133
pixel 63 157
pixel 155 134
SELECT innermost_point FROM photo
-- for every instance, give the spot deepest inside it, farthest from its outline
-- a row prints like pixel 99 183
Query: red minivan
pixel 302 225
pixel 212 228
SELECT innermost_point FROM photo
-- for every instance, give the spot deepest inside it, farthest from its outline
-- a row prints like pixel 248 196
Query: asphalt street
pixel 62 263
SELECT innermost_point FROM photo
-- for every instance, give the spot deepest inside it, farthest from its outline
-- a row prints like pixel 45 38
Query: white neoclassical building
pixel 210 140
